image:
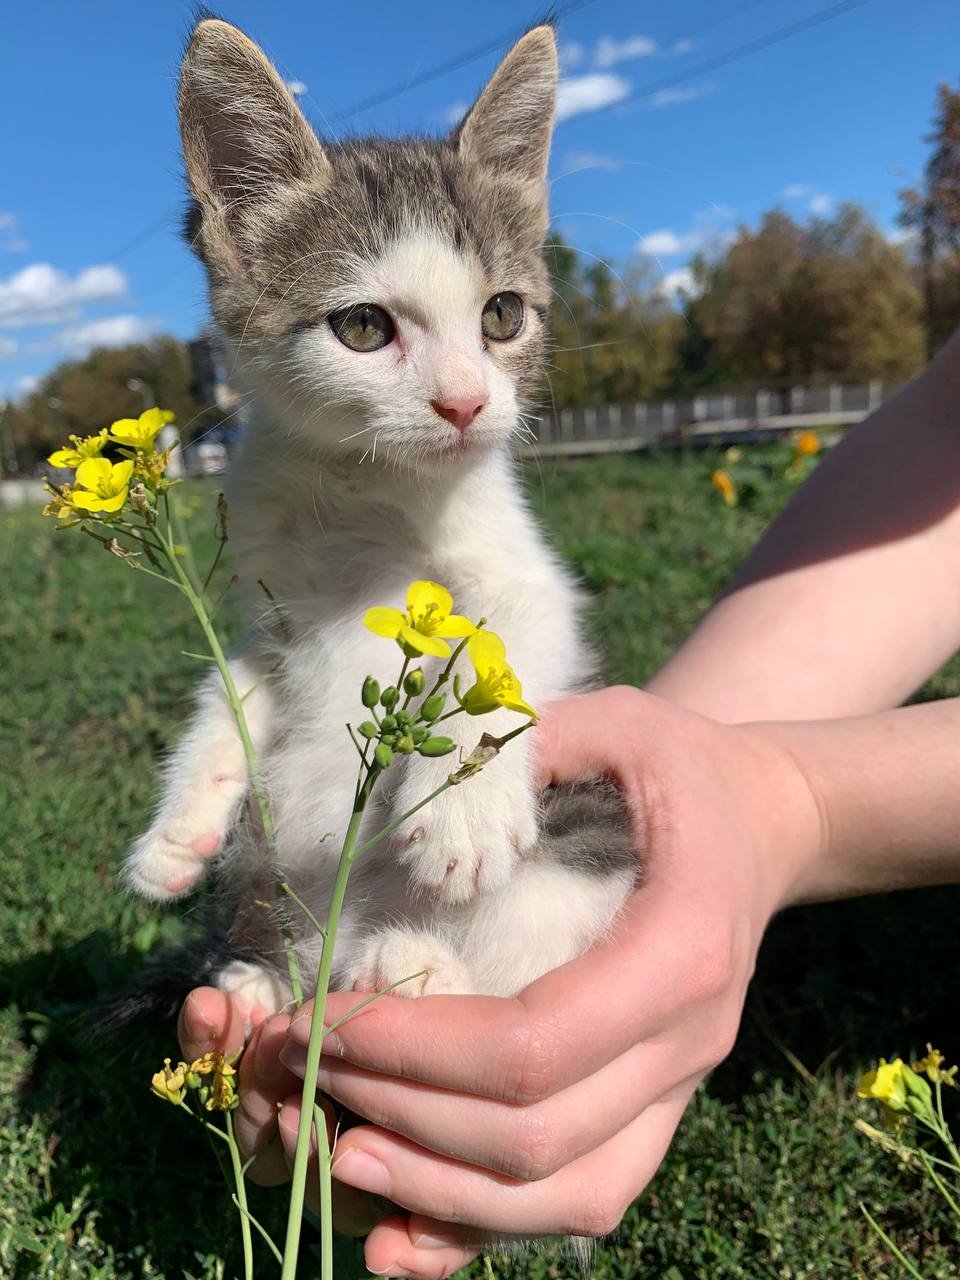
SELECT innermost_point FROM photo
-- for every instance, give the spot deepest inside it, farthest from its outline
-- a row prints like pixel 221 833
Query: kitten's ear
pixel 242 132
pixel 508 127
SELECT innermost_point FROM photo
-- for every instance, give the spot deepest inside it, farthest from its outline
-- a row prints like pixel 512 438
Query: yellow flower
pixel 139 433
pixel 79 450
pixel 427 618
pixel 497 684
pixel 219 1088
pixel 61 503
pixel 888 1084
pixel 722 481
pixel 806 443
pixel 932 1067
pixel 104 484
pixel 170 1083
pixel 150 467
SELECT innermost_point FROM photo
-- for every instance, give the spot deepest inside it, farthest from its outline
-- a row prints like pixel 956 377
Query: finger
pixel 354 1212
pixel 417 1246
pixel 264 1082
pixel 587 1197
pixel 584 735
pixel 535 1141
pixel 209 1021
pixel 663 959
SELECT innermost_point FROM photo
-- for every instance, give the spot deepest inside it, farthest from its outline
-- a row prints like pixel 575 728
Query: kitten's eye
pixel 362 327
pixel 502 317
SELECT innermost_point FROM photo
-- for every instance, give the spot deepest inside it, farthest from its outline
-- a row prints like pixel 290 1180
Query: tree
pixel 80 396
pixel 615 337
pixel 788 301
pixel 932 213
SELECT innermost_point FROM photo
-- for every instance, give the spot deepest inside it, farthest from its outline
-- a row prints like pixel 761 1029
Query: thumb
pixel 587 735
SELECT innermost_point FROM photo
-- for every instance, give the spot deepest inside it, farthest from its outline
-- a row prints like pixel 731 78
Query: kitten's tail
pixel 156 993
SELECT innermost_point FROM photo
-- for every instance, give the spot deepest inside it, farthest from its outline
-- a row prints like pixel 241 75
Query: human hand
pixel 550 1112
pixel 265 1122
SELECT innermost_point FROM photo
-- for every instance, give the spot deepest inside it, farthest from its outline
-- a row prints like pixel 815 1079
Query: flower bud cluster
pixel 403 729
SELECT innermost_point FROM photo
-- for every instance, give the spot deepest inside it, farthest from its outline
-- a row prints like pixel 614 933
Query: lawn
pixel 97 1180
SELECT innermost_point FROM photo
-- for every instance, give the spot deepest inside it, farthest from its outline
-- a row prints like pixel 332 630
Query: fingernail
pixel 392 1270
pixel 196 1023
pixel 362 1170
pixel 431 1240
pixel 294 1058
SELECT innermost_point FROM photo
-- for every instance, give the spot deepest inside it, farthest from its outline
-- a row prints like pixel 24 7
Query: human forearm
pixel 886 787
pixel 852 598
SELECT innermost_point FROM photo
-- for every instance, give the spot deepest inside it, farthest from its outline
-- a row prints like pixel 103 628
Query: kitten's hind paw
pixel 257 991
pixel 396 954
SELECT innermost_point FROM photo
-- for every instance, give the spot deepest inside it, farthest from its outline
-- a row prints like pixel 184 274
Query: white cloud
pixel 112 331
pixel 682 46
pixel 903 235
pixel 671 97
pixel 664 244
pixel 817 201
pixel 576 160
pixel 10 240
pixel 609 51
pixel 39 294
pixel 453 114
pixel 677 282
pixel 27 383
pixel 297 88
pixel 577 94
pixel 704 232
pixel 8 347
pixel 571 55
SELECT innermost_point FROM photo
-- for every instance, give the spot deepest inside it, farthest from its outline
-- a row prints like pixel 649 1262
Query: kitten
pixel 384 306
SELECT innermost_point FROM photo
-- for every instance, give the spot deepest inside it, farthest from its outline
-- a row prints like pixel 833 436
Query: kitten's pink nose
pixel 461 411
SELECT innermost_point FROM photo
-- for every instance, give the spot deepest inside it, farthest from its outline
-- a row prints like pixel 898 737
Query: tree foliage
pixel 832 298
pixel 80 396
pixel 931 211
pixel 787 302
pixel 615 336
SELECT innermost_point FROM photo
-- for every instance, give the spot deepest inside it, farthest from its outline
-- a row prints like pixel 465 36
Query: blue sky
pixel 90 192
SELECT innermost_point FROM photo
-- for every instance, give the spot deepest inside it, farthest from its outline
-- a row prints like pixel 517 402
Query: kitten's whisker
pixel 362 431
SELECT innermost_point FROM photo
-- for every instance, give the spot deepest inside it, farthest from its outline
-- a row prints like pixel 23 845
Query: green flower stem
pixel 940 1184
pixel 398 822
pixel 384 991
pixel 308 1097
pixel 241 1185
pixel 326 1193
pixel 897 1253
pixel 259 1228
pixel 236 706
pixel 178 527
pixel 285 888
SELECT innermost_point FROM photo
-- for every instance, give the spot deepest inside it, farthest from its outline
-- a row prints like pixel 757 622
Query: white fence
pixel 704 417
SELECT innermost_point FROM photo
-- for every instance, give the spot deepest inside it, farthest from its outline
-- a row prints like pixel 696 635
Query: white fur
pixel 332 531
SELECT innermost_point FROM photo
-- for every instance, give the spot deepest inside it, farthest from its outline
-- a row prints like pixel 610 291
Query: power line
pixel 394 91
pixel 741 51
pixel 452 64
pixel 736 54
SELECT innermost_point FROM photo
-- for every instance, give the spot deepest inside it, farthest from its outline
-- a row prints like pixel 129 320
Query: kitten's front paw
pixel 464 845
pixel 170 859
pixel 396 954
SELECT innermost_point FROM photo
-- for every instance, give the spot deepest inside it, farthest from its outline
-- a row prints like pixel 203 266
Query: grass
pixel 97 1182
